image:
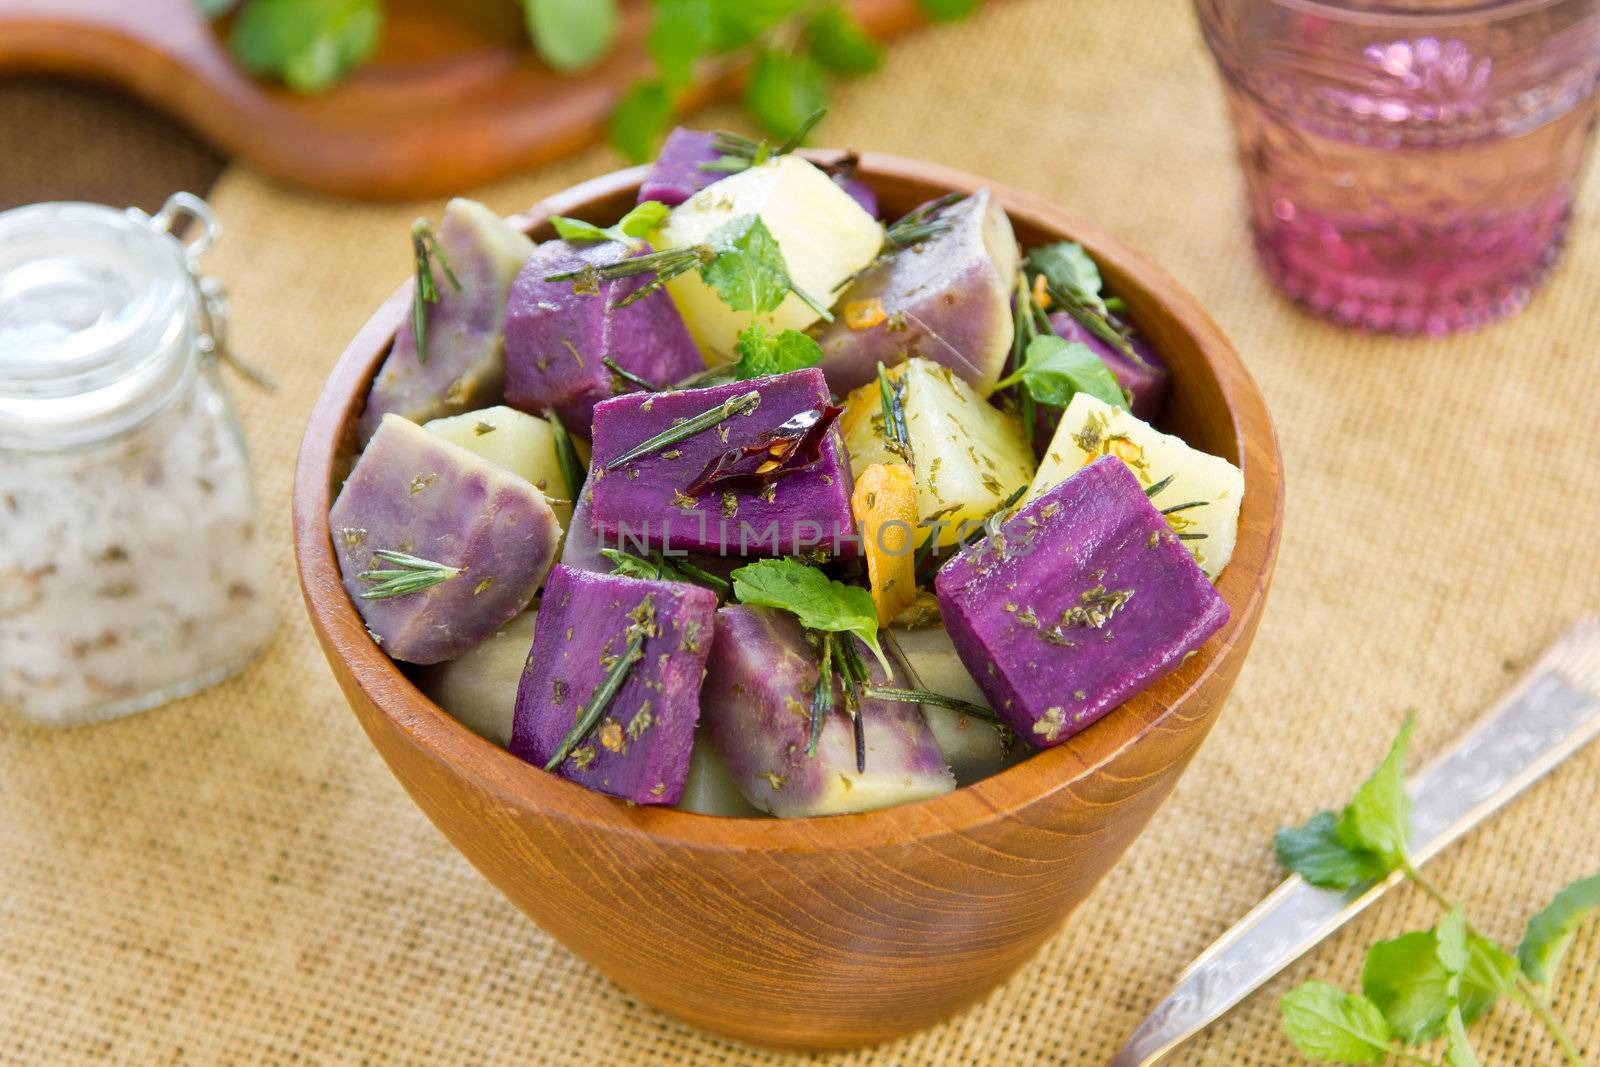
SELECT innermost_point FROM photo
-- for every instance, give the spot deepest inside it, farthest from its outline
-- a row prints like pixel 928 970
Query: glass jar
pixel 131 565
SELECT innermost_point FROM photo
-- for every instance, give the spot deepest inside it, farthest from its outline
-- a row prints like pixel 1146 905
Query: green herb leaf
pixel 736 23
pixel 1458 1053
pixel 748 270
pixel 1054 371
pixel 1067 267
pixel 1490 972
pixel 1315 853
pixel 660 567
pixel 1326 1023
pixel 840 43
pixel 680 33
pixel 784 91
pixel 639 120
pixel 571 34
pixel 1409 983
pixel 761 355
pixel 1378 817
pixel 629 229
pixel 1451 935
pixel 819 602
pixel 1550 932
pixel 405 574
pixel 309 44
pixel 572 470
pixel 947 10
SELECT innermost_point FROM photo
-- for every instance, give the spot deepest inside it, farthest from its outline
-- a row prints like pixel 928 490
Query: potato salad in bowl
pixel 750 503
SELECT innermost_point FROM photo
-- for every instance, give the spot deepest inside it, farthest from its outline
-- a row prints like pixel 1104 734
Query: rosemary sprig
pixel 409 574
pixel 665 568
pixel 1152 490
pixel 920 225
pixel 743 404
pixel 666 265
pixel 930 550
pixel 1174 509
pixel 628 376
pixel 892 398
pixel 741 153
pixel 641 627
pixel 924 696
pixel 566 454
pixel 822 697
pixel 425 250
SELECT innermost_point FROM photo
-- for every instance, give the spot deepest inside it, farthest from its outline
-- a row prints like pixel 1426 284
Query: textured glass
pixel 1410 166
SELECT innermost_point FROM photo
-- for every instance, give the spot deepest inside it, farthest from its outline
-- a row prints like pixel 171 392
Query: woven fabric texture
pixel 237 878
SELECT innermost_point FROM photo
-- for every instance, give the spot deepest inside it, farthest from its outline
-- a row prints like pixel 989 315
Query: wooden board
pixel 454 98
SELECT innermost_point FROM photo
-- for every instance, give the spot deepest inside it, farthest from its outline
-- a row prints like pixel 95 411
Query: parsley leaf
pixel 1067 267
pixel 629 229
pixel 310 44
pixel 571 34
pixel 819 602
pixel 639 120
pixel 1326 1023
pixel 1055 371
pixel 1378 817
pixel 840 43
pixel 761 355
pixel 1315 853
pixel 783 91
pixel 1550 932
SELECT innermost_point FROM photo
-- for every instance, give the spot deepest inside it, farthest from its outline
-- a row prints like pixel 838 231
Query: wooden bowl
pixel 845 930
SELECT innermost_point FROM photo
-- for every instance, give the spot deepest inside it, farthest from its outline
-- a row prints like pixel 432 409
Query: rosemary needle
pixel 743 404
pixel 923 696
pixel 610 685
pixel 566 454
pixel 1162 484
pixel 628 376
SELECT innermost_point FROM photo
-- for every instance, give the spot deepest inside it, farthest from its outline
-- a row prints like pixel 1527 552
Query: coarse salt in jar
pixel 131 563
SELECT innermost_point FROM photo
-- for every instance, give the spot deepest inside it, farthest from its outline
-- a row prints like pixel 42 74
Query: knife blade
pixel 1551 712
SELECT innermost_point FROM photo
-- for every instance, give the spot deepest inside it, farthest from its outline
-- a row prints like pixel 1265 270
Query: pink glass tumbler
pixel 1411 164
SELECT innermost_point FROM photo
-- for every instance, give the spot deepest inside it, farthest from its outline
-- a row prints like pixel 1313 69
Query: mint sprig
pixel 1425 985
pixel 628 230
pixel 761 354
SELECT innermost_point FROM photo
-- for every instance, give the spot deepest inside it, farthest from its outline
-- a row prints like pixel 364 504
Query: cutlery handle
pixel 1552 712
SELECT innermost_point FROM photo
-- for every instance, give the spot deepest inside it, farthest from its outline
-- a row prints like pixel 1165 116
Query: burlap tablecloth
pixel 237 877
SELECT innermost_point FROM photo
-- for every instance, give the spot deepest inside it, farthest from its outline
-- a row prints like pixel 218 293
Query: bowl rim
pixel 530 790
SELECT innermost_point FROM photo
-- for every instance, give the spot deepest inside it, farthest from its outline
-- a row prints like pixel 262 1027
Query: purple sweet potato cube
pixel 1084 599
pixel 757 697
pixel 639 750
pixel 675 176
pixel 861 193
pixel 1147 383
pixel 418 494
pixel 557 339
pixel 643 502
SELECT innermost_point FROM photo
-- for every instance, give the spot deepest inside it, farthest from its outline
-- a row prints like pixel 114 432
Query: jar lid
pixel 96 321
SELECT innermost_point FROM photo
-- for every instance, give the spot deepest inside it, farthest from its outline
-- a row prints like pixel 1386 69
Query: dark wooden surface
pixel 827 932
pixel 455 96
pixel 68 140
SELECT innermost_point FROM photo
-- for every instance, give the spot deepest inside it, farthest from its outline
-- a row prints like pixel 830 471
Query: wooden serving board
pixel 454 97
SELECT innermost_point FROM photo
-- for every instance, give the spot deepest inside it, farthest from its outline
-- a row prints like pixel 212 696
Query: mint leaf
pixel 783 92
pixel 1458 1053
pixel 634 225
pixel 679 34
pixel 1067 267
pixel 947 10
pixel 309 44
pixel 1315 853
pixel 1055 371
pixel 1378 817
pixel 819 602
pixel 1490 971
pixel 1410 984
pixel 736 23
pixel 1550 932
pixel 761 355
pixel 749 272
pixel 571 34
pixel 840 44
pixel 1327 1023
pixel 1451 936
pixel 639 120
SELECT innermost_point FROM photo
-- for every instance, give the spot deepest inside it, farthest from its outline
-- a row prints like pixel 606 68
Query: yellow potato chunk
pixel 1211 486
pixel 967 455
pixel 825 237
pixel 515 441
pixel 885 506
